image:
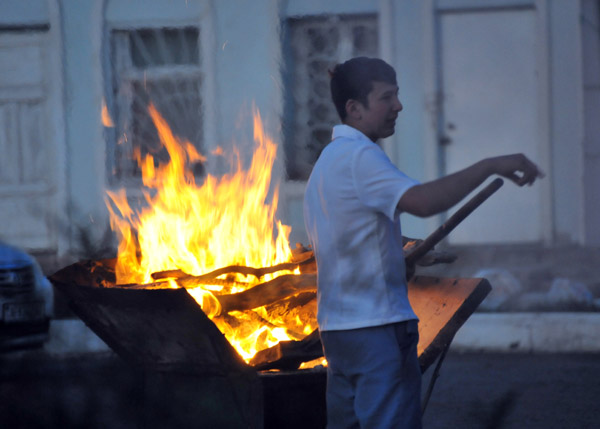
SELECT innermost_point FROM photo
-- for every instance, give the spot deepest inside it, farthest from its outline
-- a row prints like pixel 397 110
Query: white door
pixel 491 106
pixel 28 164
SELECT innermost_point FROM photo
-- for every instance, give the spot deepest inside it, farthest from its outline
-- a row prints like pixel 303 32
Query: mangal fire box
pixel 193 374
pixel 166 330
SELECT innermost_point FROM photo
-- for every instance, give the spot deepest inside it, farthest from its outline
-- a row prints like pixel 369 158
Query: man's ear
pixel 354 109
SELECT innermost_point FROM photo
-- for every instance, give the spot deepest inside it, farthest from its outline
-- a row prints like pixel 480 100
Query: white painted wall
pixel 247 60
pixel 415 46
pixel 591 86
pixel 81 24
pixel 33 196
pixel 19 13
pixel 243 57
pixel 414 145
pixel 566 121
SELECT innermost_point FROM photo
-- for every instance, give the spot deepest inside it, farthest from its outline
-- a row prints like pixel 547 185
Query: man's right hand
pixel 516 167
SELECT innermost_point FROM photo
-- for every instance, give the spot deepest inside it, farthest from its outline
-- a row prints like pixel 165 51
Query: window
pixel 316 45
pixel 159 66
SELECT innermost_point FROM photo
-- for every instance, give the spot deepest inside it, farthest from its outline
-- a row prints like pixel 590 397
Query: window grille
pixel 316 45
pixel 159 66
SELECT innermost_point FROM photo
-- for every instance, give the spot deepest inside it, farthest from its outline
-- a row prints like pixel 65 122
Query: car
pixel 26 300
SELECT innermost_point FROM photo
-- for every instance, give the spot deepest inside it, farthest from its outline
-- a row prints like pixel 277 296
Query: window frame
pixel 125 75
pixel 148 14
pixel 299 155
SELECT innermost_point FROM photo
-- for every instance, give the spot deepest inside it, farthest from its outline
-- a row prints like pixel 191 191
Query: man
pixel 353 201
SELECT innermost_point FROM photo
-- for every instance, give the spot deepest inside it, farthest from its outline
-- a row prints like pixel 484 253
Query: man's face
pixel 378 120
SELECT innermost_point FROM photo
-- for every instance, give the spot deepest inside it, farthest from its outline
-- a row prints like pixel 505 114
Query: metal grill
pixel 16 279
pixel 317 44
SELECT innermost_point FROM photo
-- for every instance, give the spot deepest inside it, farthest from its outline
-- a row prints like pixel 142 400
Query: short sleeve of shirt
pixel 378 182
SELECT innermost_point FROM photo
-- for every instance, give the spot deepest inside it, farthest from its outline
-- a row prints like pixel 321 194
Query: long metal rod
pixel 434 376
pixel 439 234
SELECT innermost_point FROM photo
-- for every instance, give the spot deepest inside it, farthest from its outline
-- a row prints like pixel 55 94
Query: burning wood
pixel 257 296
pixel 268 293
pixel 209 237
pixel 289 354
pixel 187 280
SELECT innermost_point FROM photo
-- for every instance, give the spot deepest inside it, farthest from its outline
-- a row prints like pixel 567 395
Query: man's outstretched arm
pixel 441 194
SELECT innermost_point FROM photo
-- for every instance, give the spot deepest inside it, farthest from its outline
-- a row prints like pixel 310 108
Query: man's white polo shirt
pixel 354 228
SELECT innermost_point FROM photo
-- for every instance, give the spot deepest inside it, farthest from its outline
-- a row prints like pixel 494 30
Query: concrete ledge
pixel 487 332
pixel 529 332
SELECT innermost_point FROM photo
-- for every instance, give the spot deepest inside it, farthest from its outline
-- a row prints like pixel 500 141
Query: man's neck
pixel 357 127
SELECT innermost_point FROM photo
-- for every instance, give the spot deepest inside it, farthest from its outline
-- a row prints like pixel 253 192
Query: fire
pixel 200 227
pixel 106 119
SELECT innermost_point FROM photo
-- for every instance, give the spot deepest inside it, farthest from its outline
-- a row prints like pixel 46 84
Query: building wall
pixel 228 93
pixel 31 93
pixel 81 26
pixel 243 52
pixel 16 13
pixel 590 19
pixel 566 121
pixel 561 124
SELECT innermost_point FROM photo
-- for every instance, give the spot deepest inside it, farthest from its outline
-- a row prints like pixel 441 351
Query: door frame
pixel 57 124
pixel 435 150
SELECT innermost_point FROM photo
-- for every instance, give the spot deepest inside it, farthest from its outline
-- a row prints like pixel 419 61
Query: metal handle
pixel 439 234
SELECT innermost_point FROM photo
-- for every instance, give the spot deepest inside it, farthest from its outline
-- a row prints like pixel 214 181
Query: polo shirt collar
pixel 347 131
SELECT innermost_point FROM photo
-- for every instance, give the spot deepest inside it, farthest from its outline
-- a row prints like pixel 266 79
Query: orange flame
pixel 199 228
pixel 106 119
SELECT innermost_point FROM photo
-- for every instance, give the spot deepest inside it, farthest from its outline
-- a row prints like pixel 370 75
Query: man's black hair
pixel 353 80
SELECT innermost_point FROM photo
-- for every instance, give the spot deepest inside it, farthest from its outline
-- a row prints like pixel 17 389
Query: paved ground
pixel 474 390
pixel 516 391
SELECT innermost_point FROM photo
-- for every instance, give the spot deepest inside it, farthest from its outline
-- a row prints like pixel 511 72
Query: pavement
pixel 503 370
pixel 515 391
pixel 530 332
